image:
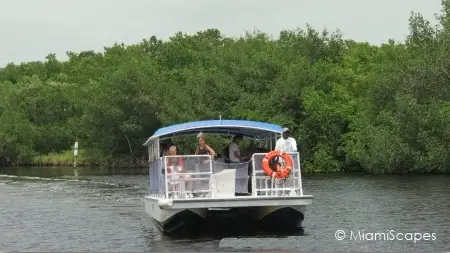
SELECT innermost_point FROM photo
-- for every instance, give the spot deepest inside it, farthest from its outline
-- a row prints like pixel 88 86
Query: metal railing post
pixel 299 174
pixel 254 190
pixel 150 179
pixel 165 177
pixel 211 185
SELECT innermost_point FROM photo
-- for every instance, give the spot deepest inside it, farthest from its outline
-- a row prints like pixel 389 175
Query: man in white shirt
pixel 233 149
pixel 286 143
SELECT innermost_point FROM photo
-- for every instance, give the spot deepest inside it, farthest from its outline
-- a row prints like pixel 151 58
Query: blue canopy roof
pixel 253 129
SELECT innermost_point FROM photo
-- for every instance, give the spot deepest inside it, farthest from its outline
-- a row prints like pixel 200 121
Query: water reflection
pixel 102 209
pixel 214 240
pixel 57 172
pixel 217 233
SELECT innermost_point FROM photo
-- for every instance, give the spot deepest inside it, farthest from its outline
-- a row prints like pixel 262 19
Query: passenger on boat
pixel 174 163
pixel 233 149
pixel 286 143
pixel 204 163
pixel 203 148
pixel 174 166
pixel 164 147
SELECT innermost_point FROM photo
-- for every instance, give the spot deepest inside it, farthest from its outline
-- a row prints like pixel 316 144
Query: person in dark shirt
pixel 203 148
pixel 204 162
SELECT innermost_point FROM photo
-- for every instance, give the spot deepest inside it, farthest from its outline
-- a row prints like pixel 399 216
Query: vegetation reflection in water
pixel 57 171
pixel 99 212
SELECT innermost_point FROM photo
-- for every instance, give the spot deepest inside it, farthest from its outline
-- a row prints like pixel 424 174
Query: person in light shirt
pixel 234 153
pixel 286 143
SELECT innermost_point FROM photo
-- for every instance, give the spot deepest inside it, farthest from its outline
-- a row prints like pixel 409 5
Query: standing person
pixel 203 148
pixel 204 162
pixel 286 143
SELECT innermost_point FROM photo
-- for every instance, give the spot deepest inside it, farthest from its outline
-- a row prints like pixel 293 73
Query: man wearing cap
pixel 286 143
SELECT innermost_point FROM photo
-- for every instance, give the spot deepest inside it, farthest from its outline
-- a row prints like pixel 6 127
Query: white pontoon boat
pixel 185 198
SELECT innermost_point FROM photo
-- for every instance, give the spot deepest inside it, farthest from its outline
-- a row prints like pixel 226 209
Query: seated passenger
pixel 174 166
pixel 233 150
pixel 162 149
pixel 173 163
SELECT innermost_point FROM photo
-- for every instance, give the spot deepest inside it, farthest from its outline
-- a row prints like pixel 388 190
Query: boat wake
pixel 11 178
pixel 265 243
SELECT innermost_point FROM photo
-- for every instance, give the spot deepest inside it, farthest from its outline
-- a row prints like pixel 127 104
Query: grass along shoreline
pixel 95 158
pixel 86 158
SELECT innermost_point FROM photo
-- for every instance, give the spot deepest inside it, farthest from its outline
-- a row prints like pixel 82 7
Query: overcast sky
pixel 30 30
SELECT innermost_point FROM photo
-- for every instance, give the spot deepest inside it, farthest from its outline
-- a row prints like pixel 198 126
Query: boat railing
pixel 157 180
pixel 187 176
pixel 265 185
pixel 199 176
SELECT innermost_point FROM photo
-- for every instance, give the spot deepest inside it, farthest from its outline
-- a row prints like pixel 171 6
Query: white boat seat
pixel 224 183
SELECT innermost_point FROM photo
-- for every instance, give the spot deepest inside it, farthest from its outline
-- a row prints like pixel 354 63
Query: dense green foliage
pixel 351 105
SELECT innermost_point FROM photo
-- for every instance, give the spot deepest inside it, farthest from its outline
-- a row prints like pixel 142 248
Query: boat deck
pixel 243 201
pixel 184 190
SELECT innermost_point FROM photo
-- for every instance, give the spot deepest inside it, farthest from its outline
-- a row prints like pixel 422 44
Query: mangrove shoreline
pixel 350 105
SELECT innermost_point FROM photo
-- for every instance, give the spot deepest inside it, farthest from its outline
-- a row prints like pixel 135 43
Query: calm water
pixel 59 209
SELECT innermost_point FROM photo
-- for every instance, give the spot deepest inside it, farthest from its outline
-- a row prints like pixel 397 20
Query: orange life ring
pixel 280 173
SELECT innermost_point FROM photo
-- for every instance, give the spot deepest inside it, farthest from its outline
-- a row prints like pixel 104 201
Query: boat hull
pixel 189 216
pixel 282 219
